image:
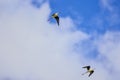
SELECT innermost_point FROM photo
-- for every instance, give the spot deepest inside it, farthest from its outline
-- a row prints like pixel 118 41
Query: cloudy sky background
pixel 31 48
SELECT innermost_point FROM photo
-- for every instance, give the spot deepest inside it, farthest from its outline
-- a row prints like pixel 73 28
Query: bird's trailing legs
pixel 85 73
pixel 49 18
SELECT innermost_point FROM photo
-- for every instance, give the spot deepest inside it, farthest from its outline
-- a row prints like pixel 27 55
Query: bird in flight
pixel 89 70
pixel 56 17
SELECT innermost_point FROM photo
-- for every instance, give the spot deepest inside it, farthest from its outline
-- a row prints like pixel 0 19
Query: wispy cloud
pixel 107 18
pixel 113 11
pixel 108 46
pixel 107 4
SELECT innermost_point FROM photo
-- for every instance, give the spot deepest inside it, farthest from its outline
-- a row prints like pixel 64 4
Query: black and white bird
pixel 56 17
pixel 89 70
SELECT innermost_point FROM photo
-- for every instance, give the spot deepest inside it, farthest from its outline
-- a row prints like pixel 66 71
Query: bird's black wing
pixel 88 67
pixel 57 19
pixel 91 73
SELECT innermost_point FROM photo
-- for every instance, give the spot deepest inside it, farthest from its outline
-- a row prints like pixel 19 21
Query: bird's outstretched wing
pixel 53 14
pixel 91 73
pixel 88 67
pixel 57 19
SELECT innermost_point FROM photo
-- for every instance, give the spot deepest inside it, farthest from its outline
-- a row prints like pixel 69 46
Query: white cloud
pixel 8 1
pixel 109 46
pixel 31 48
pixel 107 62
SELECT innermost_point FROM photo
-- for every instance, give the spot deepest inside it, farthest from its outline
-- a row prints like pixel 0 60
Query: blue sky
pixel 87 11
pixel 31 48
